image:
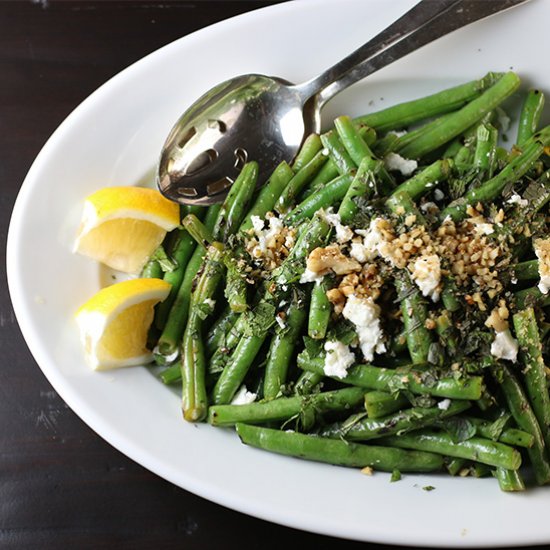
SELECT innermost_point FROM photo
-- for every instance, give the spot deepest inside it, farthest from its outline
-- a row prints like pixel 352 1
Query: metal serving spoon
pixel 261 118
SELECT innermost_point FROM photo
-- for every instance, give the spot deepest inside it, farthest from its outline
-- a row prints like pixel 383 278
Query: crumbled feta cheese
pixel 505 346
pixel 396 162
pixel 365 315
pixel 374 242
pixel 359 252
pixel 444 405
pixel 309 276
pixel 398 133
pixel 257 224
pixel 243 397
pixel 542 250
pixel 338 359
pixel 483 228
pixel 516 199
pixel 280 321
pixel 343 232
pixel 427 275
pixel 266 235
pixel 439 195
pixel 211 303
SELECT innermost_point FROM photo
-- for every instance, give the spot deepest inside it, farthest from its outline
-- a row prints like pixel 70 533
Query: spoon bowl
pixel 250 117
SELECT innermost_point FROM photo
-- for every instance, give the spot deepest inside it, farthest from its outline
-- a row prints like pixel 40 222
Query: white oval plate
pixel 114 137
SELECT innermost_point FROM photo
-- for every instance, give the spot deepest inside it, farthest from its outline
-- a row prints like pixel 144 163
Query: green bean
pixel 311 146
pixel 526 420
pixel 181 253
pixel 172 374
pixel 380 403
pixel 384 379
pixel 217 334
pixel 299 181
pixel 308 382
pixel 332 193
pixel 362 186
pixel 526 271
pixel 177 318
pixel 509 480
pixel 486 146
pixel 425 180
pixel 462 119
pixel 415 313
pixel 530 352
pixel 152 270
pixel 337 152
pixel 284 408
pixel 282 347
pixel 361 428
pixel 529 117
pixel 477 449
pixel 403 114
pixel 333 451
pixel 235 205
pixel 513 171
pixel 319 311
pixel 236 369
pixel 351 140
pixel 193 361
pixel 268 195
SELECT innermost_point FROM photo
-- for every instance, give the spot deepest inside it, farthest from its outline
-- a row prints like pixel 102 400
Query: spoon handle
pixel 425 22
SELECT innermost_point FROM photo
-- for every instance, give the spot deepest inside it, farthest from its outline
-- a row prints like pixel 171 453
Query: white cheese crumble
pixel 516 199
pixel 427 275
pixel 542 250
pixel 338 359
pixel 343 232
pixel 309 276
pixel 374 242
pixel 505 346
pixel 266 235
pixel 280 321
pixel 444 405
pixel 365 315
pixel 243 397
pixel 211 303
pixel 483 228
pixel 359 252
pixel 396 162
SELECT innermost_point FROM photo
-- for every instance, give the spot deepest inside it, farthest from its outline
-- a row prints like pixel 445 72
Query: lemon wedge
pixel 114 323
pixel 122 226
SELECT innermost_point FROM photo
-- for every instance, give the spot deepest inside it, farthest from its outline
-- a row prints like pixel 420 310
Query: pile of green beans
pixel 245 339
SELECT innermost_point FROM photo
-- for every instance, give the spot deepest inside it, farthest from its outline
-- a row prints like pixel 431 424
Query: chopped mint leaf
pixel 395 476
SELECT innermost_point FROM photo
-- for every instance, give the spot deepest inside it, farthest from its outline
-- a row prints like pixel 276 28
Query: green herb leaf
pixel 395 476
pixel 260 319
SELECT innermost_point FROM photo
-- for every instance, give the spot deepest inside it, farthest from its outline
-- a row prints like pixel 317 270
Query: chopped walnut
pixel 331 257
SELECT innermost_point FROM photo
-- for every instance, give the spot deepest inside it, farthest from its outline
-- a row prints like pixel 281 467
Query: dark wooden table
pixel 61 485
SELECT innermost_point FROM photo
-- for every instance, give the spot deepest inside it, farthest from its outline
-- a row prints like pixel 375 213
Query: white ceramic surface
pixel 114 137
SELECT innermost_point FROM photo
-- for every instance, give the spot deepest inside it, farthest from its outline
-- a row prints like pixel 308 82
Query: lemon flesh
pixel 122 226
pixel 114 323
